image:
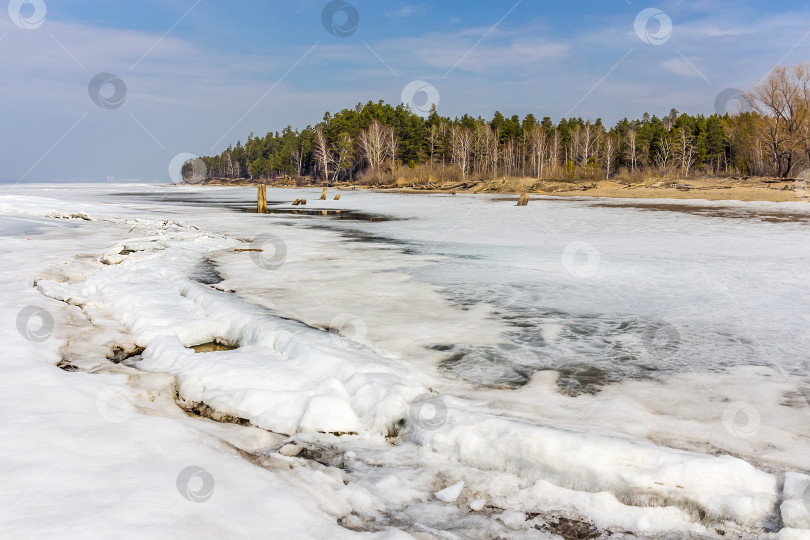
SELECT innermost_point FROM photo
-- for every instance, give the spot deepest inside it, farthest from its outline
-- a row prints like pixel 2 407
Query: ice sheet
pixel 605 384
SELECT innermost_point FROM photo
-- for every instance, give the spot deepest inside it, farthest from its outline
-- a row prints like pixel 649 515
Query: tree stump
pixel 523 200
pixel 337 197
pixel 262 198
pixel 323 195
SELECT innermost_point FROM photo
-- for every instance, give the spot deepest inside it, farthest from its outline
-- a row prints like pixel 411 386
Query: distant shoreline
pixel 707 188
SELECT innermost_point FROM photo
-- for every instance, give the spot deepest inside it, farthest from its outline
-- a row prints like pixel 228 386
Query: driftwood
pixel 462 185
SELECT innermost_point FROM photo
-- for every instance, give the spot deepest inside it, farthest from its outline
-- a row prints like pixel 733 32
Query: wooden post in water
pixel 323 195
pixel 523 200
pixel 262 208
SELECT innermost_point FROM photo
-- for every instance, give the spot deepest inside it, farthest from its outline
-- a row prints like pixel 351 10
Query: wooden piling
pixel 262 198
pixel 523 200
pixel 323 195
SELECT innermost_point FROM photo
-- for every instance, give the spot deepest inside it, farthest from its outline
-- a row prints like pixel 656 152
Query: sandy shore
pixel 707 188
pixel 781 192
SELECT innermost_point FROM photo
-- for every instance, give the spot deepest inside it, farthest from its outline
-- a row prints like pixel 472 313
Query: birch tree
pixel 321 152
pixel 538 144
pixel 609 153
pixel 462 149
pixel 685 149
pixel 373 145
pixel 343 157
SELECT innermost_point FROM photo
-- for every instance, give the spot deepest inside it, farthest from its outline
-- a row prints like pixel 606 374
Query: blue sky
pixel 202 74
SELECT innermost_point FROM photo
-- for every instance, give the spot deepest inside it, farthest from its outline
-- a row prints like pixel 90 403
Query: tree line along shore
pixel 766 143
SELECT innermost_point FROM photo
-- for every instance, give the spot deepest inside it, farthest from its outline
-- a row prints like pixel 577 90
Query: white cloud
pixel 681 67
pixel 407 11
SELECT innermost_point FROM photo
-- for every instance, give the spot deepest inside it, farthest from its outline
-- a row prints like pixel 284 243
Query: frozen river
pixel 434 365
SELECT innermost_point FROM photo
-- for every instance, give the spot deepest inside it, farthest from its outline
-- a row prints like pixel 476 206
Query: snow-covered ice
pixel 413 365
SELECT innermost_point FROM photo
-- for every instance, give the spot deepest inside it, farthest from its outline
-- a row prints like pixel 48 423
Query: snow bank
pixel 637 473
pixel 795 507
pixel 81 458
pixel 794 534
pixel 285 376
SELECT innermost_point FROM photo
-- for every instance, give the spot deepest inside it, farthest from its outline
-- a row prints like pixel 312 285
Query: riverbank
pixel 707 188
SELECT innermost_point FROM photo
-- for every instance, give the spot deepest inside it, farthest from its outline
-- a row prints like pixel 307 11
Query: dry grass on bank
pixel 625 184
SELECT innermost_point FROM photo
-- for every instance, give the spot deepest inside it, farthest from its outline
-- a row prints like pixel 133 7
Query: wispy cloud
pixel 407 11
pixel 680 67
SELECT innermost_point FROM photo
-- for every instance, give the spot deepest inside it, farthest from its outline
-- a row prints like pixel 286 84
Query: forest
pixel 383 144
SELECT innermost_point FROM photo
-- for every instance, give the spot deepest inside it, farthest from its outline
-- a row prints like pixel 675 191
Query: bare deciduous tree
pixel 609 153
pixel 321 152
pixel 391 144
pixel 373 145
pixel 462 148
pixel 685 149
pixel 539 145
pixel 783 98
pixel 343 157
